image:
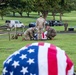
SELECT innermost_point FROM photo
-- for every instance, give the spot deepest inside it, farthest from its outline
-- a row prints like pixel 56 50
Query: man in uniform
pixel 51 33
pixel 65 26
pixel 29 34
pixel 40 24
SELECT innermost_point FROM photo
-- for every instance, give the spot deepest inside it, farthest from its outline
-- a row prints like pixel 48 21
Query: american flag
pixel 44 35
pixel 38 59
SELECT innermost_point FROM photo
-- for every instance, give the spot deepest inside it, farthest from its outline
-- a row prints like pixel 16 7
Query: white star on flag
pixel 31 50
pixel 15 64
pixel 23 56
pixel 30 61
pixel 11 73
pixel 24 70
pixel 9 60
pixel 4 71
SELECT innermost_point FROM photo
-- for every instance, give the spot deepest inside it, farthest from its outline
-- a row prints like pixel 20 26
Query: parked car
pixel 58 23
pixel 54 23
pixel 13 23
pixel 50 22
pixel 32 24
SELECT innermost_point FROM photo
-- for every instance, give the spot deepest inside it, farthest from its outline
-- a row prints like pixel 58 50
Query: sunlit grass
pixel 65 41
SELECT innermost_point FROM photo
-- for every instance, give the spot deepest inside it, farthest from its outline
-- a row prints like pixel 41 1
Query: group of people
pixel 31 60
pixel 41 31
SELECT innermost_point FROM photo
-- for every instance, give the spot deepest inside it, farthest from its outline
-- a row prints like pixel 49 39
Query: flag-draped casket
pixel 38 59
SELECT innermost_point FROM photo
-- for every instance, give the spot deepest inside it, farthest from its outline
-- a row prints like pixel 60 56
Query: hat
pixel 38 59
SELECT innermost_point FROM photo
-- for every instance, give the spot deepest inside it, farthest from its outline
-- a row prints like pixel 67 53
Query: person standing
pixel 40 24
pixel 65 26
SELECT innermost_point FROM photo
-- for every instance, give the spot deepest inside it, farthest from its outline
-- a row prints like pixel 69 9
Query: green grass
pixel 70 17
pixel 65 41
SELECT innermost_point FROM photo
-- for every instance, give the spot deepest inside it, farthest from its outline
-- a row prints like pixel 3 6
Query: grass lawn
pixel 65 41
pixel 70 17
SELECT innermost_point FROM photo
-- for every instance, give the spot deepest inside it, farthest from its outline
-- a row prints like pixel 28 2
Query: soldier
pixel 65 26
pixel 29 34
pixel 51 33
pixel 40 24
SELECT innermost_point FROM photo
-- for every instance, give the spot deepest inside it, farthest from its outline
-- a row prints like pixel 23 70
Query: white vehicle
pixel 14 23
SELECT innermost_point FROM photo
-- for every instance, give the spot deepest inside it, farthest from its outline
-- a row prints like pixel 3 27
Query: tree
pixel 45 6
pixel 20 6
pixel 65 6
pixel 12 4
pixel 28 6
pixel 2 13
pixel 54 6
pixel 2 10
pixel 2 1
pixel 72 4
pixel 16 6
pixel 41 6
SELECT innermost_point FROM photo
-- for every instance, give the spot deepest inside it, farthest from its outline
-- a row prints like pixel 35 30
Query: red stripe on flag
pixel 42 35
pixel 41 43
pixel 52 61
pixel 69 64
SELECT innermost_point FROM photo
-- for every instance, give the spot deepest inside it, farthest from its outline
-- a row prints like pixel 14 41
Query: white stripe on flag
pixel 43 60
pixel 61 60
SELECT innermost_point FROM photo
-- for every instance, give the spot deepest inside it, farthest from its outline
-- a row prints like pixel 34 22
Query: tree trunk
pixel 44 13
pixel 2 17
pixel 60 16
pixel 28 14
pixel 13 13
pixel 38 13
pixel 20 14
pixel 53 14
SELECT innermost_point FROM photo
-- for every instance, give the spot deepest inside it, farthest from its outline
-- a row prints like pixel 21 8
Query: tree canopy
pixel 43 6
